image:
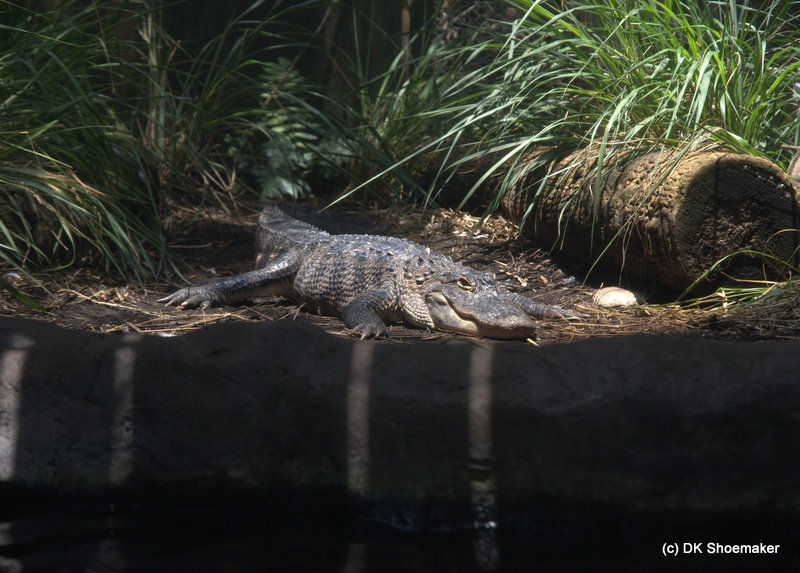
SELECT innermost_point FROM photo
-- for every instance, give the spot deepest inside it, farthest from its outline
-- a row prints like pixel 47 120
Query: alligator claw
pixel 191 297
pixel 567 314
pixel 368 330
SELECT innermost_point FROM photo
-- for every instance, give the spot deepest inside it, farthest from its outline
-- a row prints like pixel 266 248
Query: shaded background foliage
pixel 112 112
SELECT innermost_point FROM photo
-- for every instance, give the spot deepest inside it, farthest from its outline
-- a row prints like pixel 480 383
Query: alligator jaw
pixel 491 317
pixel 446 318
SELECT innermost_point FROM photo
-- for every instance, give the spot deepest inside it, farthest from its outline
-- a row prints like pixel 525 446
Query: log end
pixel 734 210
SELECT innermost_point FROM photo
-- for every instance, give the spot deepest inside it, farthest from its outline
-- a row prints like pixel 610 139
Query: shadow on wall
pixel 460 435
pixel 238 410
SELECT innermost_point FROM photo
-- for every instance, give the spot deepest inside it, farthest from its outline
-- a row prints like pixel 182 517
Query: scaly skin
pixel 369 280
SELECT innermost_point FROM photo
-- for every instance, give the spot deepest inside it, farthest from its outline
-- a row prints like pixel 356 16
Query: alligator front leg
pixel 273 279
pixel 361 314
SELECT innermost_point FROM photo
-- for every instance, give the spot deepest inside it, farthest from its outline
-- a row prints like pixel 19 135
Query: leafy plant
pixel 277 143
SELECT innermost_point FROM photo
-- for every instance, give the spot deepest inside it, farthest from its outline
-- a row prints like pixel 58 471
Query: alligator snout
pixel 485 313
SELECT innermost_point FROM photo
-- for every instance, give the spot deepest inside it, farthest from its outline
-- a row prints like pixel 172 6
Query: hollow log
pixel 658 219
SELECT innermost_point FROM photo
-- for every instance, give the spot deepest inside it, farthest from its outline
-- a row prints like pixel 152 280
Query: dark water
pixel 109 539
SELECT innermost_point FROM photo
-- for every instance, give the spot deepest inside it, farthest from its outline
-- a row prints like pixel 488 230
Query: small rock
pixel 608 297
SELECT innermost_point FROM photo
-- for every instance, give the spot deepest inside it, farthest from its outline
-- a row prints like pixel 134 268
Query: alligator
pixel 369 280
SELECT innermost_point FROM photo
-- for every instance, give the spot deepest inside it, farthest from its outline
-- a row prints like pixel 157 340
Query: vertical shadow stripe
pixel 12 371
pixel 122 423
pixel 481 456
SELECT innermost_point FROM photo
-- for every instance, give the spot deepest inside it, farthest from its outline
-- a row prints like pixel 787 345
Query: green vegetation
pixel 73 177
pixel 107 119
pixel 622 76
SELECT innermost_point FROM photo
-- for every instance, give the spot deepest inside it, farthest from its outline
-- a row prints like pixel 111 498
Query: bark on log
pixel 708 206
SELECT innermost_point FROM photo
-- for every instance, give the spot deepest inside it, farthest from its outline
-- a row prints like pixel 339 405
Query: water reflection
pixel 155 543
pixel 245 542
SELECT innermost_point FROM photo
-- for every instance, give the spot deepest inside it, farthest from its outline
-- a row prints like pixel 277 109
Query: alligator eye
pixel 464 283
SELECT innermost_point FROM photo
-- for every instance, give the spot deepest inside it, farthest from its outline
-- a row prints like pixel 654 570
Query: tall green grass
pixel 74 178
pixel 106 119
pixel 670 72
pixel 620 76
pixel 615 77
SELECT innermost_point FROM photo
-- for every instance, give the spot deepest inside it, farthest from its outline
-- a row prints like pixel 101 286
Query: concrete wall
pixel 453 431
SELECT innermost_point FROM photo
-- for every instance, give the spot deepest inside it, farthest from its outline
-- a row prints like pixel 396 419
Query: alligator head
pixel 470 302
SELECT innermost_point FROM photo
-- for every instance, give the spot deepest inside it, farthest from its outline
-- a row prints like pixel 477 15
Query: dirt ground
pixel 219 243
